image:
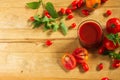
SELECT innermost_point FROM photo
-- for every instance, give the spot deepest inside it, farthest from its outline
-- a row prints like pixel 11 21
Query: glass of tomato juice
pixel 90 33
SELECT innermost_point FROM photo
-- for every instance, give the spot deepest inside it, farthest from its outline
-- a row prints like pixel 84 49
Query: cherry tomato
pixel 46 12
pixel 116 63
pixel 108 13
pixel 70 16
pixel 113 25
pixel 85 66
pixel 68 11
pixel 48 43
pixel 101 50
pixel 105 78
pixel 80 3
pixel 75 2
pixel 80 54
pixel 68 61
pixel 31 18
pixel 62 11
pixel 85 12
pixel 48 15
pixel 109 45
pixel 73 25
pixel 100 66
pixel 74 8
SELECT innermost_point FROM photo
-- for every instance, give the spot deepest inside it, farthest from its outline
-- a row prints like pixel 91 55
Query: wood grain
pixel 23 55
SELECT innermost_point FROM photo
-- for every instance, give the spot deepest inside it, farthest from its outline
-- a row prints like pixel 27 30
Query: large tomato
pixel 113 25
pixel 68 61
pixel 80 54
pixel 109 45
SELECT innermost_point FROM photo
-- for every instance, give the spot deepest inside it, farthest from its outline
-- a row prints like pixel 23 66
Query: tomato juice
pixel 90 33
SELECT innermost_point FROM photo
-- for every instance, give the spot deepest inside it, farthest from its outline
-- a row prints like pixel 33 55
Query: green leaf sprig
pixel 49 23
pixel 50 8
pixel 114 37
pixel 34 5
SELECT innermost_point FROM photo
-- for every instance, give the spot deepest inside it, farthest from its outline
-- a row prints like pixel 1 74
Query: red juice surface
pixel 90 33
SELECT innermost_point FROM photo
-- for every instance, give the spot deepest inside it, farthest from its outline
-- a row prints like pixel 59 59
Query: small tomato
pixel 48 43
pixel 85 66
pixel 100 66
pixel 101 50
pixel 105 78
pixel 116 63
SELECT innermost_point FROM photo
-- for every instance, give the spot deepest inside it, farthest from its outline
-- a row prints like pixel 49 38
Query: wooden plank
pixel 32 35
pixel 34 47
pixel 47 65
pixel 21 60
pixel 13 3
pixel 19 20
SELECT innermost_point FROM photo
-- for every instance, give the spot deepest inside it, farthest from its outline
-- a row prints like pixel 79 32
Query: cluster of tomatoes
pixel 111 41
pixel 78 57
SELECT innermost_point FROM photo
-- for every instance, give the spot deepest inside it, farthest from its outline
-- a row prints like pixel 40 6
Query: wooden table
pixel 23 55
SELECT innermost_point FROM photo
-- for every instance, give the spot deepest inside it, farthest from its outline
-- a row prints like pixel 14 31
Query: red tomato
pixel 85 12
pixel 100 66
pixel 80 3
pixel 46 13
pixel 101 50
pixel 116 64
pixel 103 1
pixel 108 13
pixel 73 25
pixel 105 78
pixel 85 66
pixel 68 61
pixel 31 18
pixel 109 45
pixel 62 11
pixel 80 54
pixel 68 11
pixel 48 43
pixel 70 16
pixel 75 2
pixel 113 25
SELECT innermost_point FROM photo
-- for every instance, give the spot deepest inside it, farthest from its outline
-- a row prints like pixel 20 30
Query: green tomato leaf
pixel 36 17
pixel 63 28
pixel 114 38
pixel 51 19
pixel 114 55
pixel 37 24
pixel 45 19
pixel 55 27
pixel 47 26
pixel 34 5
pixel 50 8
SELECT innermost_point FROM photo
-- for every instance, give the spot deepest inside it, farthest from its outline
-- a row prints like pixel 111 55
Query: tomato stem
pixel 95 6
pixel 112 25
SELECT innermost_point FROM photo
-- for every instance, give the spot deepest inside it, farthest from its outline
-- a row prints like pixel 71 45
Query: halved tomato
pixel 80 54
pixel 68 61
